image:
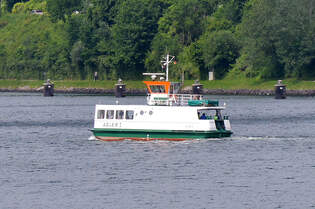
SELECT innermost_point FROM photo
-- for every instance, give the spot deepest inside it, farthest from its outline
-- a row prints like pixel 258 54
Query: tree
pixel 136 25
pixel 231 10
pixel 294 41
pixel 60 9
pixel 188 68
pixel 162 44
pixel 179 29
pixel 184 19
pixel 220 50
pixel 77 60
pixel 3 60
pixel 28 6
pixel 278 38
pixel 92 28
pixel 102 11
pixel 7 5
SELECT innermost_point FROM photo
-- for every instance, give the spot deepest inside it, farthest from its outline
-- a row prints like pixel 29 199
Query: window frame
pixel 118 116
pixel 112 115
pixel 99 114
pixel 133 115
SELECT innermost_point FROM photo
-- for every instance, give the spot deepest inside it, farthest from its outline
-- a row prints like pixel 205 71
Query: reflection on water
pixel 48 159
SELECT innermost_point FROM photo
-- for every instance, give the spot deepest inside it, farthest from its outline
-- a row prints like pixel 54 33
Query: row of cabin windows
pixel 120 114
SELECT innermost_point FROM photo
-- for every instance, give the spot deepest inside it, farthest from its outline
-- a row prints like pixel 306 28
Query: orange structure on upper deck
pixel 158 87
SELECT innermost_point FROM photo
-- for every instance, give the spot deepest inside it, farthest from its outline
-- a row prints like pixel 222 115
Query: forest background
pixel 72 39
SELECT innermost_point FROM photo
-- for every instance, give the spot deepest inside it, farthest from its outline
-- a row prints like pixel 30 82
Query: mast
pixel 166 61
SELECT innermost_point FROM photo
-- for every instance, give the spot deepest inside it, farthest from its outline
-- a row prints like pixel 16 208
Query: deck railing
pixel 172 99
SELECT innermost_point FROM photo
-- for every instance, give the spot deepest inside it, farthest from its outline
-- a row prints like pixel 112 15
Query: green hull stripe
pixel 125 133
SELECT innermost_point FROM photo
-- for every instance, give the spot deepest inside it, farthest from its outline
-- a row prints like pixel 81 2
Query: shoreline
pixel 141 92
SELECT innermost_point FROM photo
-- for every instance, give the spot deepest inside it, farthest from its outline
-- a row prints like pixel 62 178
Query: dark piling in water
pixel 48 89
pixel 120 89
pixel 280 90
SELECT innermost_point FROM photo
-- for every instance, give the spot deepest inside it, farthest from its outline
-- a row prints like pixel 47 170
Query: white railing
pixel 172 99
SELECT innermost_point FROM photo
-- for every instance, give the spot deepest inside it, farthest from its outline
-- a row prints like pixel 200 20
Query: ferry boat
pixel 168 115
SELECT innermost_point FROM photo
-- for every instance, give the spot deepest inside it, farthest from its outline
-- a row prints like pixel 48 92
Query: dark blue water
pixel 47 161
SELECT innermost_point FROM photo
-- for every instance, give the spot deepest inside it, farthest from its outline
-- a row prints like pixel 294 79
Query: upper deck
pixel 165 93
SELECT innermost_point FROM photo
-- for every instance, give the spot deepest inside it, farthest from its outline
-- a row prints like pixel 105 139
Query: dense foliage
pixel 72 39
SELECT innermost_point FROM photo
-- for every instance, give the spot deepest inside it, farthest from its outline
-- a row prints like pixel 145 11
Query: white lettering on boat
pixel 112 124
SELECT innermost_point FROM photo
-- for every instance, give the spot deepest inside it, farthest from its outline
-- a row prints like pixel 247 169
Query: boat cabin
pixel 129 114
pixel 160 117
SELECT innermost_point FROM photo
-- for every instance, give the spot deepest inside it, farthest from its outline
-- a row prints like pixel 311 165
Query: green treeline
pixel 72 39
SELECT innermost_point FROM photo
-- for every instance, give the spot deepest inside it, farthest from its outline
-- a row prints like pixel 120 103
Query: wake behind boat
pixel 167 116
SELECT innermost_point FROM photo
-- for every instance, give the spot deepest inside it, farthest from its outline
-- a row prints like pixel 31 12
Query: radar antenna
pixel 154 75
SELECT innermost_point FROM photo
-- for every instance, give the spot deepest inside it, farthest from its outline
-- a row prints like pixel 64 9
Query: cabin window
pixel 151 112
pixel 205 114
pixel 110 114
pixel 119 114
pixel 100 114
pixel 129 114
pixel 209 114
pixel 157 88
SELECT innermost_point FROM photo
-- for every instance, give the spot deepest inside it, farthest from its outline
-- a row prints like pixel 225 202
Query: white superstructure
pixel 143 117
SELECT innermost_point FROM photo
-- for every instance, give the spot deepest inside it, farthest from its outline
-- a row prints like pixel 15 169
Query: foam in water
pixel 92 138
